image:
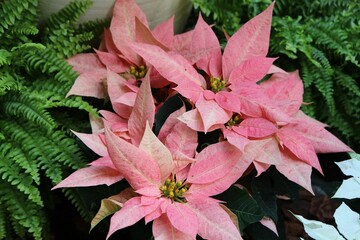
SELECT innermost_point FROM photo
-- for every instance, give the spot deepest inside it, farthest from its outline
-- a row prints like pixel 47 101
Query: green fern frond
pixel 10 13
pixel 13 11
pixel 29 215
pixel 290 38
pixel 66 43
pixel 68 152
pixel 69 14
pixel 12 170
pixel 21 106
pixel 306 72
pixel 347 82
pixel 2 222
pixel 47 61
pixel 8 83
pixel 25 29
pixel 60 150
pixel 5 57
pixel 73 196
pixel 52 90
pixel 309 108
pixel 72 102
pixel 16 154
pixel 95 26
pixel 332 38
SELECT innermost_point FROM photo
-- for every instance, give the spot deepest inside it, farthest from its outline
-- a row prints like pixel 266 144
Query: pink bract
pixel 150 167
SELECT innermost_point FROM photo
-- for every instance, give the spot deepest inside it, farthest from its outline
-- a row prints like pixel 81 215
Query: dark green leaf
pixel 264 195
pixel 282 185
pixel 259 232
pixel 243 205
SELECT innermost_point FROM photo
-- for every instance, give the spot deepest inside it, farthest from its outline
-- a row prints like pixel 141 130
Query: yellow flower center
pixel 234 120
pixel 138 72
pixel 217 84
pixel 174 190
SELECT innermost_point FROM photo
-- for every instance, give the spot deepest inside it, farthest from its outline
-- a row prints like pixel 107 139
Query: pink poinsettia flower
pixel 230 82
pixel 130 130
pixel 292 148
pixel 170 198
pixel 128 24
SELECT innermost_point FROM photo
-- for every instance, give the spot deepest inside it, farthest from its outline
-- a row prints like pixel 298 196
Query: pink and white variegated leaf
pixel 112 117
pixel 138 167
pixel 286 91
pixel 91 176
pixel 251 40
pixel 112 61
pixel 103 161
pixel 164 32
pixel 155 211
pixel 151 193
pixel 85 62
pixel 255 128
pixel 211 113
pixel 260 167
pixel 296 170
pixel 213 163
pixel 170 122
pixel 275 69
pixel 144 35
pixel 143 111
pixel 94 142
pixel 300 146
pixel 322 140
pixel 107 43
pixel 275 114
pixel 90 84
pixel 301 118
pixel 183 218
pixel 173 67
pixel 117 87
pixel 228 101
pixel 181 161
pixel 222 184
pixel 182 43
pixel 163 230
pixel 203 45
pixel 264 151
pixel 214 222
pixel 123 19
pixel 251 70
pixel 130 213
pixel 215 68
pixel 122 27
pixel 156 149
pixel 235 139
pixel 96 123
pixel 193 120
pixel 182 139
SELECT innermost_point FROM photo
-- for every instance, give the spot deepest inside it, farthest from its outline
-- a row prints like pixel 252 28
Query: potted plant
pixel 189 127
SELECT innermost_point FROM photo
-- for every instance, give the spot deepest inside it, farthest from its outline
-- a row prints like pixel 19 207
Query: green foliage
pixel 36 145
pixel 243 206
pixel 320 38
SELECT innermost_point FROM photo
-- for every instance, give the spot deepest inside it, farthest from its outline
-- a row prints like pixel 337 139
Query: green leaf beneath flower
pixel 243 205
